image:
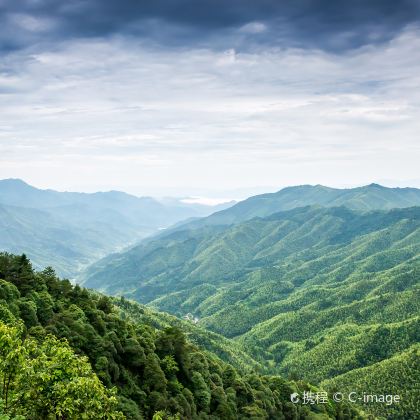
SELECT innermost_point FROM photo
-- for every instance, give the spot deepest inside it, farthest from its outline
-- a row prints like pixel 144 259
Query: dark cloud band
pixel 325 24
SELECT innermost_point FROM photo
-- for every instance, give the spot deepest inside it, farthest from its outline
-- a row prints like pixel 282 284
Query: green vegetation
pixel 227 350
pixel 387 377
pixel 321 295
pixel 45 379
pixel 72 230
pixel 315 293
pixel 53 334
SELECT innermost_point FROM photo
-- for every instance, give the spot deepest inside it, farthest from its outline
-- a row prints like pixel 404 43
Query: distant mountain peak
pixel 306 187
pixel 374 185
pixel 14 181
pixel 15 185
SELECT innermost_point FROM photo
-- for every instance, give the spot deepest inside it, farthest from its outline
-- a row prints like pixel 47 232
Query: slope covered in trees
pixel 70 230
pixel 310 243
pixel 313 292
pixel 228 350
pixel 388 377
pixel 369 197
pixel 40 379
pixel 53 334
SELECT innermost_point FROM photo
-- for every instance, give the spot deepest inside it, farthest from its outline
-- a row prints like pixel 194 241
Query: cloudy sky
pixel 209 97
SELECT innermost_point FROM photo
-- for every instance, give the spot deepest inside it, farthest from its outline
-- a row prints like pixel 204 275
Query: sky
pixel 209 98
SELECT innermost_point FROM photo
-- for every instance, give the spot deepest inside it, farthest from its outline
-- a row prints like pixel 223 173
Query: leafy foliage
pixel 228 350
pixel 47 380
pixel 157 373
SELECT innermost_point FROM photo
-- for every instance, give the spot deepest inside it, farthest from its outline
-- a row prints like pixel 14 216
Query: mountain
pixel 313 292
pixel 369 197
pixel 70 353
pixel 71 230
pixel 215 256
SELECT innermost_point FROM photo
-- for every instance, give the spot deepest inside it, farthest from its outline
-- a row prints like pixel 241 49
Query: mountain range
pixel 70 230
pixel 315 283
pixel 369 197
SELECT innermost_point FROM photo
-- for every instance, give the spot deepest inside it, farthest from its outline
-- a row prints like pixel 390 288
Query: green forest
pixel 320 294
pixel 68 353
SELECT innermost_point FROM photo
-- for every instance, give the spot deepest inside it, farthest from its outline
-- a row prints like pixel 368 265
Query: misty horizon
pixel 215 196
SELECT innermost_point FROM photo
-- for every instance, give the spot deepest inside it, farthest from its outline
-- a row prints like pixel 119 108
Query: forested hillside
pixel 369 197
pixel 387 377
pixel 70 230
pixel 312 292
pixel 68 353
pixel 228 350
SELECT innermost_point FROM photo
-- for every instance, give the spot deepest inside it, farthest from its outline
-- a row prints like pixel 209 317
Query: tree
pixel 43 380
pixel 201 391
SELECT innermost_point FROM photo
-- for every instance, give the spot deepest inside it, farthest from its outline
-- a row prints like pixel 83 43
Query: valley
pixel 315 292
pixel 72 230
pixel 317 285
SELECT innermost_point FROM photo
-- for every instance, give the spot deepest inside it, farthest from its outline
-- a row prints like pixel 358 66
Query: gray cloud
pixel 118 113
pixel 331 25
pixel 163 96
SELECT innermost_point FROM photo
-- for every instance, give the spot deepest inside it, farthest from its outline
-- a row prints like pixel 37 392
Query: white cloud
pixel 31 23
pixel 253 28
pixel 206 201
pixel 122 113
